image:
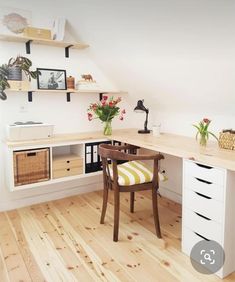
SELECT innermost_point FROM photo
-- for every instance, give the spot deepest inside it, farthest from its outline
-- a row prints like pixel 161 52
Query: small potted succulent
pixel 13 71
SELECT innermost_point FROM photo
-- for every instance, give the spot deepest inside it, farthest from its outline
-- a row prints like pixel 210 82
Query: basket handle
pixel 31 154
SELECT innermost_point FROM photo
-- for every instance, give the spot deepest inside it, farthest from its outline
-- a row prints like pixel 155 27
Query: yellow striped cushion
pixel 134 172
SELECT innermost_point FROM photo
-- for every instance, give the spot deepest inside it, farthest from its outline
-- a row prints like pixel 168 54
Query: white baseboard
pixel 170 195
pixel 45 197
pixel 66 191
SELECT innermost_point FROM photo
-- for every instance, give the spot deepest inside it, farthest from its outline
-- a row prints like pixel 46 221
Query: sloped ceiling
pixel 177 55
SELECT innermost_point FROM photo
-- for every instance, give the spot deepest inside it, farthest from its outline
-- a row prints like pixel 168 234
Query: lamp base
pixel 143 131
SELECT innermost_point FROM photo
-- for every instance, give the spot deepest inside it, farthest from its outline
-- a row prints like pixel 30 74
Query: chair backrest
pixel 114 153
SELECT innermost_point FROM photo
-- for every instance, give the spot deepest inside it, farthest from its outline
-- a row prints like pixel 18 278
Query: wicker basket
pixel 227 140
pixel 31 166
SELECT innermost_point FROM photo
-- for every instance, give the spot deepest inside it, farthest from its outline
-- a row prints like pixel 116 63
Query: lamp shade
pixel 140 106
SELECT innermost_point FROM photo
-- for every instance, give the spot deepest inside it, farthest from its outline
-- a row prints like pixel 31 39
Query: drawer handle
pixel 204 196
pixel 207 218
pixel 68 169
pixel 68 162
pixel 204 166
pixel 31 154
pixel 204 181
pixel 204 238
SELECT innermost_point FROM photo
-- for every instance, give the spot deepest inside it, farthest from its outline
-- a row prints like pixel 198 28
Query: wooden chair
pixel 113 180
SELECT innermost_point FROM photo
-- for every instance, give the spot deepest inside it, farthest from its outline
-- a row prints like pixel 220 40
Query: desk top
pixel 179 146
pixel 175 145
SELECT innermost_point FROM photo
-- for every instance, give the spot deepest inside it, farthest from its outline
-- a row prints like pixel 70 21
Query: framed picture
pixel 51 79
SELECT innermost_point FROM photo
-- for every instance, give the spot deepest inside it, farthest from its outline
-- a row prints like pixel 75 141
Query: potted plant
pixel 13 71
pixel 106 110
pixel 203 132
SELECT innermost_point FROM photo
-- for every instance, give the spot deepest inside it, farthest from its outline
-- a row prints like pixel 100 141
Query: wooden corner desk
pixel 208 198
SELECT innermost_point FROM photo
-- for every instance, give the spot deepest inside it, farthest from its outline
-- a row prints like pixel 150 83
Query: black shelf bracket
pixel 27 46
pixel 68 96
pixel 101 96
pixel 30 96
pixel 67 51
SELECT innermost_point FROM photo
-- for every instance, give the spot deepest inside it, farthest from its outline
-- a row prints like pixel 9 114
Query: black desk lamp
pixel 140 108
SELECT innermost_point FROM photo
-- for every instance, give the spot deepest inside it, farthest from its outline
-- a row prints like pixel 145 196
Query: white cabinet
pixel 208 209
pixel 67 162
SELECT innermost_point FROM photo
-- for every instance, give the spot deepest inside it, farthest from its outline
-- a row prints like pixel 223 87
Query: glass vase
pixel 203 140
pixel 107 127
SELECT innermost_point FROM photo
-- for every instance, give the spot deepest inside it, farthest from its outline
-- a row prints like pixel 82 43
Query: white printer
pixel 29 131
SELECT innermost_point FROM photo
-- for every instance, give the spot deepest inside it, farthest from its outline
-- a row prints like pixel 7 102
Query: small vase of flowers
pixel 203 132
pixel 106 110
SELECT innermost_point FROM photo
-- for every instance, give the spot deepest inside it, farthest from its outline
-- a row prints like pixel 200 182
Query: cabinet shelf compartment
pixel 67 161
pixel 31 166
pixel 92 158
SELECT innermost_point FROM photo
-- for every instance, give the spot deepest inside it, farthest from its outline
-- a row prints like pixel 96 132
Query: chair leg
pixel 116 214
pixel 132 200
pixel 105 202
pixel 156 213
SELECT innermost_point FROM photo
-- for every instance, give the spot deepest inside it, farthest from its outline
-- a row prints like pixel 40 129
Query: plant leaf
pixel 212 134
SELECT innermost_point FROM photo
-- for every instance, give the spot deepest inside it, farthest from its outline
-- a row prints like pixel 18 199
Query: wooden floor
pixel 63 241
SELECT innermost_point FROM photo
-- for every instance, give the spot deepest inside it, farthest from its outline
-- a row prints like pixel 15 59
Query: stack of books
pixel 87 85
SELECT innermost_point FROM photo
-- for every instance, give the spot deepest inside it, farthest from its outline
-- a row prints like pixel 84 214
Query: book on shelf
pixel 87 85
pixel 58 29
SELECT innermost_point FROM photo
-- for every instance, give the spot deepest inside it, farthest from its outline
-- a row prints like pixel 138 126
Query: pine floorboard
pixel 62 240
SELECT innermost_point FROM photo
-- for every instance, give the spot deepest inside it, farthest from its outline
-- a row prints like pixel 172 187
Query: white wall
pixel 177 55
pixel 51 107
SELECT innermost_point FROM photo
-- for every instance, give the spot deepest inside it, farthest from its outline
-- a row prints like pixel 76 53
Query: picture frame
pixel 51 79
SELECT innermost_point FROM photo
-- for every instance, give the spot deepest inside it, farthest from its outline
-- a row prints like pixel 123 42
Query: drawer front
pixel 63 164
pixel 204 172
pixel 203 205
pixel 189 239
pixel 67 172
pixel 204 187
pixel 202 225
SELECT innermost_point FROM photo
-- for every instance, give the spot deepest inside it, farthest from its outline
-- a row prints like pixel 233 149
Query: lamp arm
pixel 146 120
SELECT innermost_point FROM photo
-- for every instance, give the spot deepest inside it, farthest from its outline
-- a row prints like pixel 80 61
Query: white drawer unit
pixel 209 209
